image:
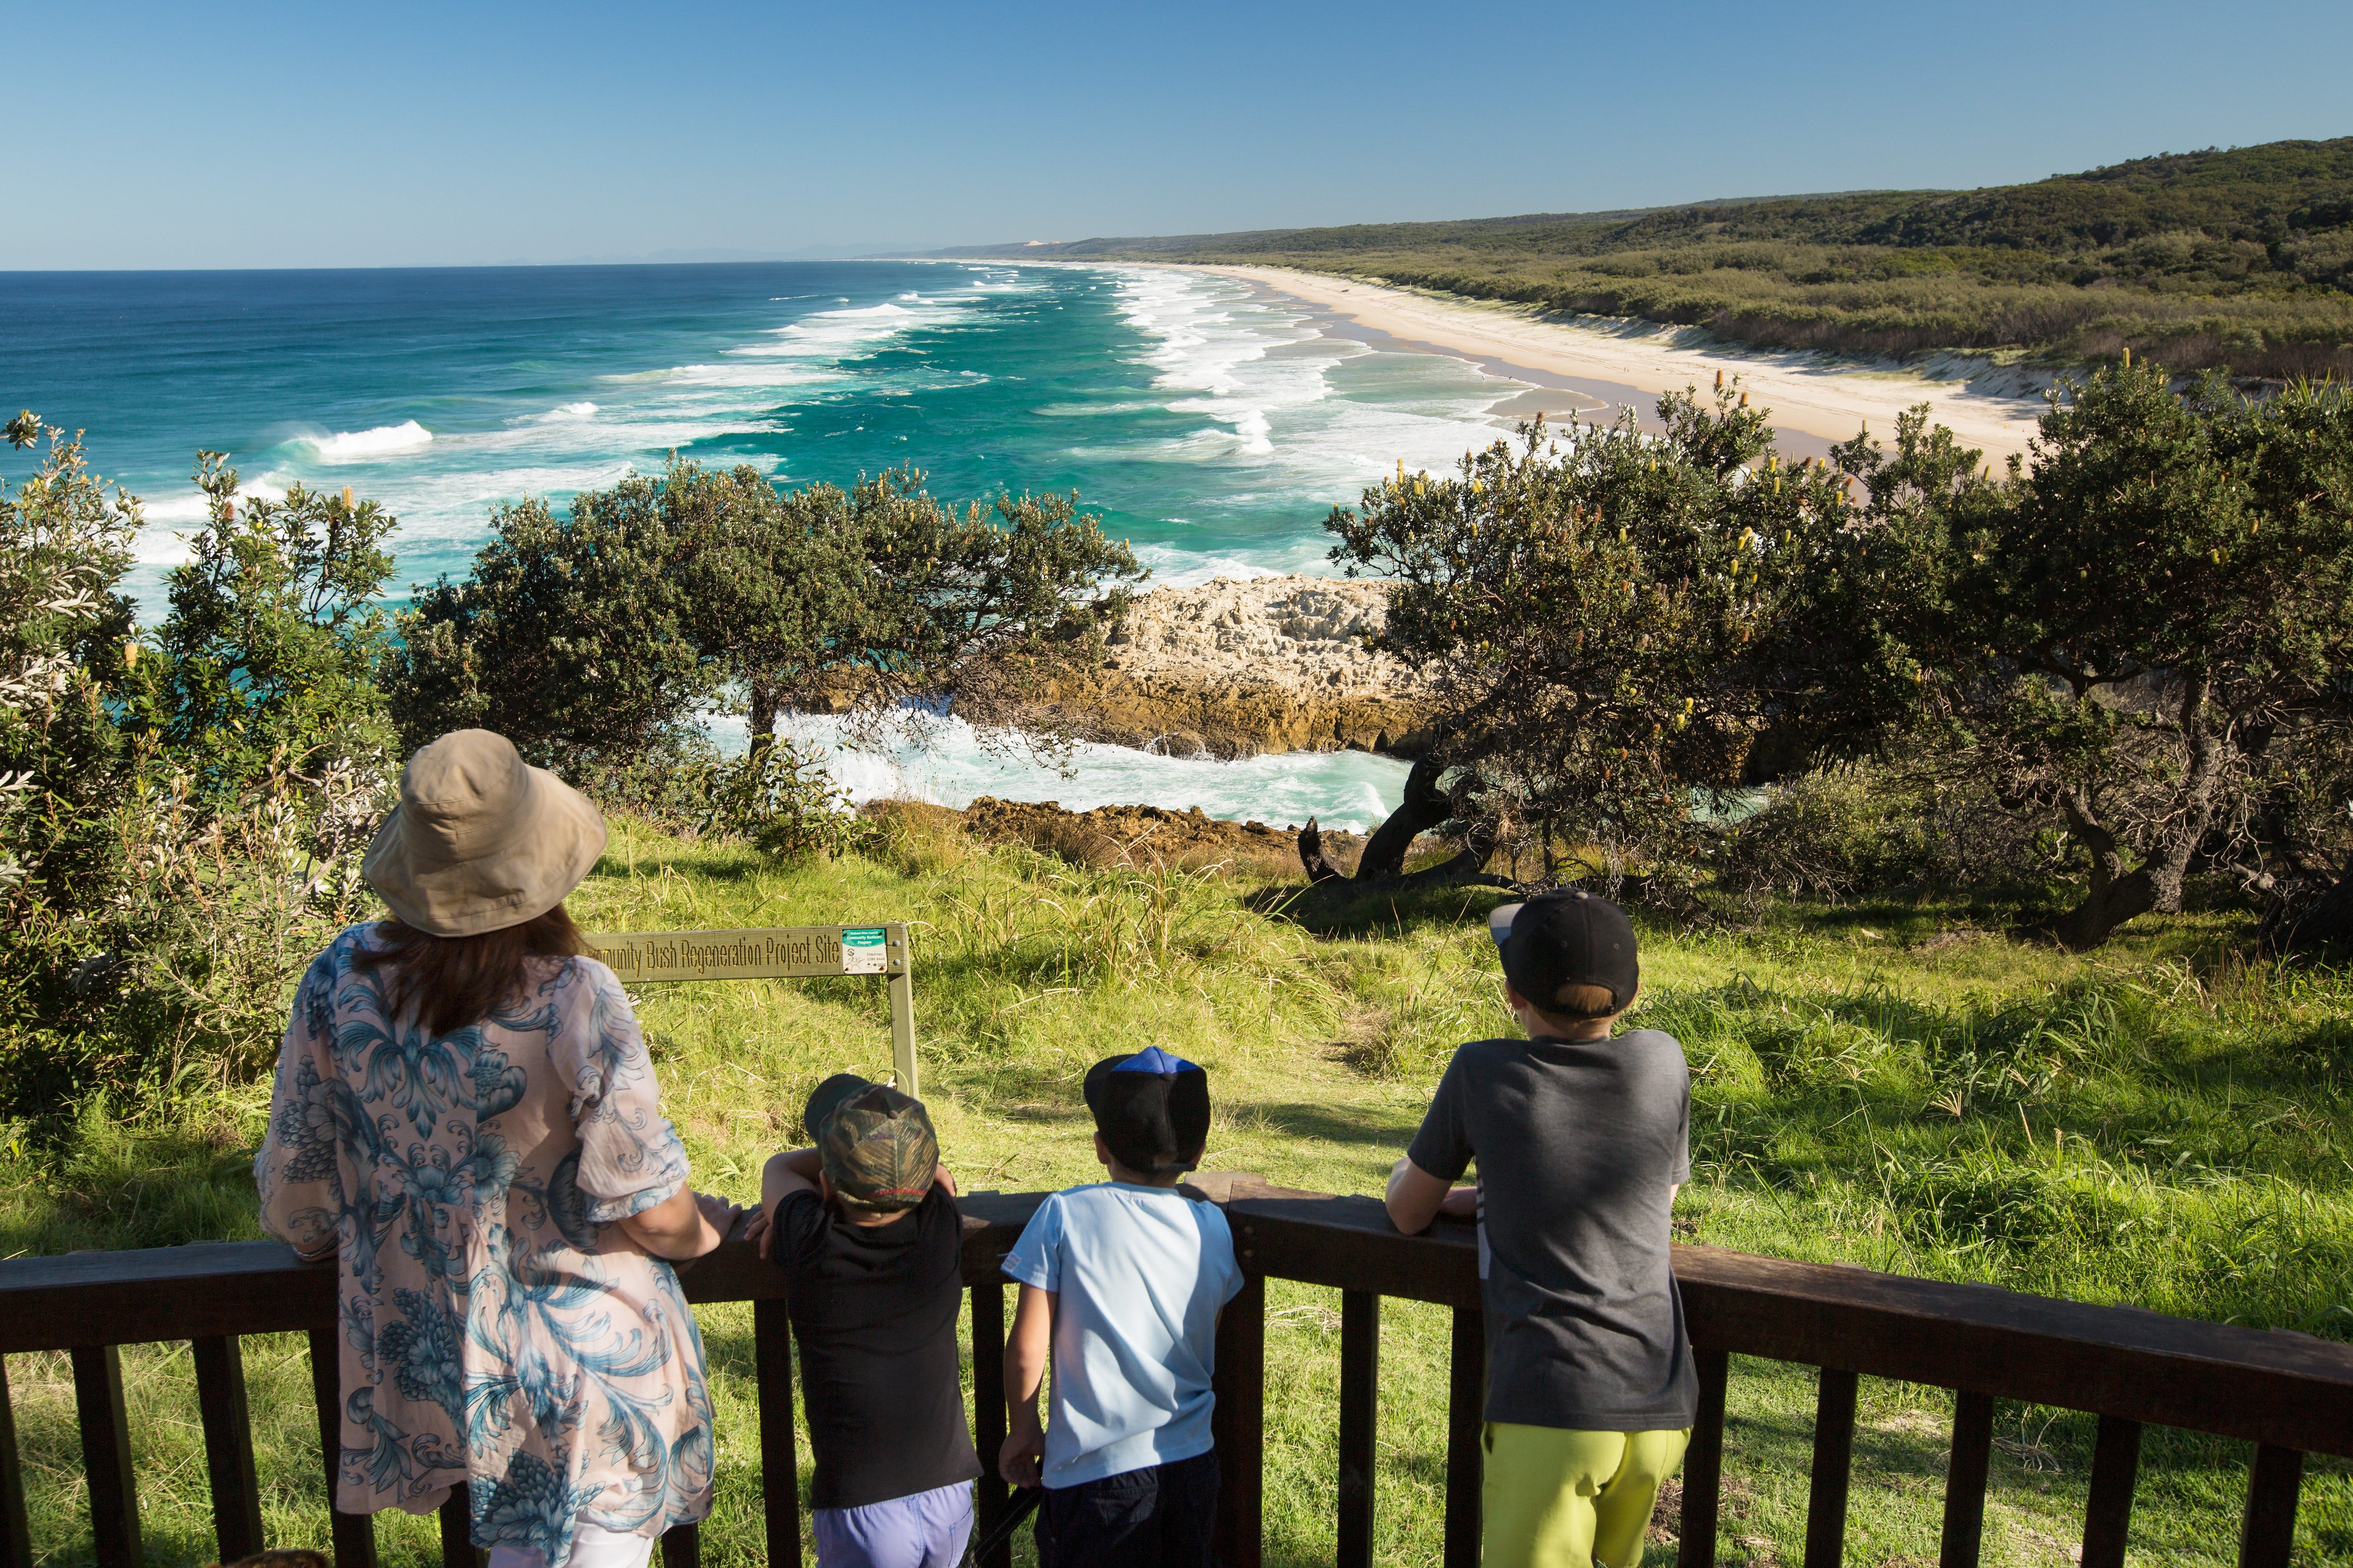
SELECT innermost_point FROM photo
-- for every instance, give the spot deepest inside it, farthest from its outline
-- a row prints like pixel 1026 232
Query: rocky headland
pixel 1232 669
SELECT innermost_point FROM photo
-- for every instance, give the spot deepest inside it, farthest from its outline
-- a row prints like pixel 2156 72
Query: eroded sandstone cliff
pixel 1235 667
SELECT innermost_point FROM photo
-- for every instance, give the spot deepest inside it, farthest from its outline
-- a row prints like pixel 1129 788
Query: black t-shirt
pixel 874 1307
pixel 1577 1143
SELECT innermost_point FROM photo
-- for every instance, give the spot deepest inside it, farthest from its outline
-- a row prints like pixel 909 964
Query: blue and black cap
pixel 1151 1109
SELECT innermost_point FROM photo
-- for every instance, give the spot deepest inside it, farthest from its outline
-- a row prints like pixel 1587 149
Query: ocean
pixel 1210 424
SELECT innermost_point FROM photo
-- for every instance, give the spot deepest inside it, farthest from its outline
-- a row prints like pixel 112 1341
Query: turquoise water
pixel 1209 424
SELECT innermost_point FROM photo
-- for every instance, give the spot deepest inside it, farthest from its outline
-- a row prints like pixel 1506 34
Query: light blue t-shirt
pixel 1139 1276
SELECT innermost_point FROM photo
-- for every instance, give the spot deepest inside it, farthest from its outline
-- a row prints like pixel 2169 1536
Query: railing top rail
pixel 2266 1386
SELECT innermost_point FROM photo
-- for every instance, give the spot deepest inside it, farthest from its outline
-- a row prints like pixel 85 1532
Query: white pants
pixel 591 1548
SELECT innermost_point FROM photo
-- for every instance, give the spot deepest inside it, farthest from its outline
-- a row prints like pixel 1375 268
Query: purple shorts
pixel 927 1529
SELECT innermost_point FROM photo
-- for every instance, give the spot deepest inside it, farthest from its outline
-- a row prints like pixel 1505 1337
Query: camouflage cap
pixel 876 1144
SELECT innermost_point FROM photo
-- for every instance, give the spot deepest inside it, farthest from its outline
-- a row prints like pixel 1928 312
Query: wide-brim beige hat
pixel 481 839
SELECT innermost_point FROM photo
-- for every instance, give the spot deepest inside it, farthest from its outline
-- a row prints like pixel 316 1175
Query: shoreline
pixel 1816 398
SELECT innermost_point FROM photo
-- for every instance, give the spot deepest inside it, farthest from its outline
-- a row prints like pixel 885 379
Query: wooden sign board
pixel 778 952
pixel 775 952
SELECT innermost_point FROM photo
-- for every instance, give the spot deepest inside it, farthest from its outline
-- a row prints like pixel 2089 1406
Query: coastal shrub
pixel 1832 834
pixel 592 639
pixel 2144 629
pixel 2127 646
pixel 771 584
pixel 270 635
pixel 179 818
pixel 981 608
pixel 1604 617
pixel 569 637
pixel 227 903
pixel 778 799
pixel 68 772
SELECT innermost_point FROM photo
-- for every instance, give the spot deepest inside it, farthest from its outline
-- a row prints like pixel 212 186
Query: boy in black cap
pixel 1121 1283
pixel 865 1225
pixel 1582 1139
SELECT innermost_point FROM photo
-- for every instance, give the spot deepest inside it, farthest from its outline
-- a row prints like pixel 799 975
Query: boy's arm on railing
pixel 1416 1197
pixel 1027 1349
pixel 787 1171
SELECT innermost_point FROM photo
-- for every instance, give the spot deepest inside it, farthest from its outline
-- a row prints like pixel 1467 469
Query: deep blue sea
pixel 1210 424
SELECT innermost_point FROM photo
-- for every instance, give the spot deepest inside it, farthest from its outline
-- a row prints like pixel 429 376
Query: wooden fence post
pixel 228 1444
pixel 1238 1426
pixel 1466 1426
pixel 1360 1374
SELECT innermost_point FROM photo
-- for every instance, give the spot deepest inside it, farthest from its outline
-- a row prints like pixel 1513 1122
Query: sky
pixel 181 134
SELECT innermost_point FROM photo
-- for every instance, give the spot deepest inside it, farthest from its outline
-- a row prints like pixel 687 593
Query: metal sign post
pixel 778 952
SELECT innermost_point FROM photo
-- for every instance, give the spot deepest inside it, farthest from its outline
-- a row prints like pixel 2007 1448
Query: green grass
pixel 2157 1123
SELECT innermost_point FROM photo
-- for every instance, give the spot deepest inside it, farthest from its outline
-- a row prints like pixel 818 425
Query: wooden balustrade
pixel 2288 1393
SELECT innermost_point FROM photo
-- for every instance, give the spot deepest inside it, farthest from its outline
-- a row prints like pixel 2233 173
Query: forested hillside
pixel 2240 259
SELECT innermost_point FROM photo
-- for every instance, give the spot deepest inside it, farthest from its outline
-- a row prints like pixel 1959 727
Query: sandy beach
pixel 1823 398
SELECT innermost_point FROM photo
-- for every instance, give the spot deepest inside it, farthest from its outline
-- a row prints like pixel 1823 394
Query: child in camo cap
pixel 865 1226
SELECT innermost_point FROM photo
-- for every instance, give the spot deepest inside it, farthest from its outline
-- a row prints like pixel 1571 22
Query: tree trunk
pixel 1424 807
pixel 2166 868
pixel 761 720
pixel 1382 865
pixel 2115 896
pixel 1311 855
pixel 2321 924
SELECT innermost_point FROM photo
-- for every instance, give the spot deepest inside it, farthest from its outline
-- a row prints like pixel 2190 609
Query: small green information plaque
pixel 862 950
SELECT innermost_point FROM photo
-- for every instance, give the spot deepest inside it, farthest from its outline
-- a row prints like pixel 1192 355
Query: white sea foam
pixel 950 766
pixel 562 413
pixel 366 445
pixel 834 334
pixel 1307 414
pixel 1173 566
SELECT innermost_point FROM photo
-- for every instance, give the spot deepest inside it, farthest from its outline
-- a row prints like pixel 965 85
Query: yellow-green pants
pixel 1555 1499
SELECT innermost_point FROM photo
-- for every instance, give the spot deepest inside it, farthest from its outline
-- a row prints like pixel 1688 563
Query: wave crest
pixel 366 445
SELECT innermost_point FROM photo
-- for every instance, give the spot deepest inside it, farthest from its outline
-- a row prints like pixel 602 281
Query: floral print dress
pixel 498 1327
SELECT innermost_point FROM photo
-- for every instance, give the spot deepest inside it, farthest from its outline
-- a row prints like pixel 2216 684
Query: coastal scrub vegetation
pixel 593 638
pixel 2239 260
pixel 2131 645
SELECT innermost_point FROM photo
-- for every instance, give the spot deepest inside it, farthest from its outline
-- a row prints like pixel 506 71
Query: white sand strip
pixel 1823 396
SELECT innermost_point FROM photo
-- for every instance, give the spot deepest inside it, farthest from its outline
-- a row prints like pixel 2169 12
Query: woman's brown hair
pixel 461 980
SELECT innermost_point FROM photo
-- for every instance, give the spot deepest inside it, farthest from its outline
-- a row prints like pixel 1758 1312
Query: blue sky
pixel 191 135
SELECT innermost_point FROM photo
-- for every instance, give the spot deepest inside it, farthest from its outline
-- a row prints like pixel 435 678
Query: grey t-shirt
pixel 1578 1142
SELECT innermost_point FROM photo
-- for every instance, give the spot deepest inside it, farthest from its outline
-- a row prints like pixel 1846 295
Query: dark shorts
pixel 1159 1516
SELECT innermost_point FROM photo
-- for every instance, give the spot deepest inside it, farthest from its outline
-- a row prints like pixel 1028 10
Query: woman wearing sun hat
pixel 465 1120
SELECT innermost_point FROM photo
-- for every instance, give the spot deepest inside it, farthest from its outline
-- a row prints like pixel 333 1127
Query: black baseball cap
pixel 1151 1109
pixel 1567 938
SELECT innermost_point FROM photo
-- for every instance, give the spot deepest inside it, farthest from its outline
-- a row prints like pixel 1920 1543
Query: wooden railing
pixel 2288 1393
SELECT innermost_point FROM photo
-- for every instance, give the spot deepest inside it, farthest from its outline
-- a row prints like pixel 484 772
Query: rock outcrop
pixel 1144 835
pixel 1232 669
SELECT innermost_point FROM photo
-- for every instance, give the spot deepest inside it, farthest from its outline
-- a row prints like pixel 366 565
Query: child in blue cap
pixel 1121 1283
